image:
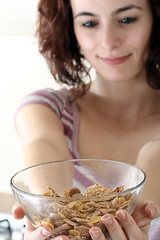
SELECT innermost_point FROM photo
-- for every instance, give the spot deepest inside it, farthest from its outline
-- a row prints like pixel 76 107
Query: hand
pixel 134 227
pixel 31 233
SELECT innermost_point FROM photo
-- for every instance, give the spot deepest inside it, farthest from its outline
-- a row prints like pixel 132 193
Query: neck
pixel 125 101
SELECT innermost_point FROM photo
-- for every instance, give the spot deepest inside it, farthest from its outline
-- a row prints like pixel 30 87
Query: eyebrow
pixel 85 14
pixel 119 10
pixel 128 7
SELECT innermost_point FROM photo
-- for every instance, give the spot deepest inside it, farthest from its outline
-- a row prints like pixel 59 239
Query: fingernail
pixel 121 214
pixel 45 232
pixel 152 212
pixel 95 233
pixel 107 220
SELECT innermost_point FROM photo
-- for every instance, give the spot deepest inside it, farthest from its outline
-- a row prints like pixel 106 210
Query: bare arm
pixel 149 161
pixel 41 134
pixel 43 140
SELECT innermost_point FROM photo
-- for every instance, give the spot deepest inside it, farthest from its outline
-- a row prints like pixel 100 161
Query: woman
pixel 117 115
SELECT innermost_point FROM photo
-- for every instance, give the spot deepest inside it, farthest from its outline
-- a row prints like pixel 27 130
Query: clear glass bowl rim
pixel 81 197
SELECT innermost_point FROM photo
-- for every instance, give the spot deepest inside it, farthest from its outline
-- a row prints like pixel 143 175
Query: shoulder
pixel 40 113
pixel 56 100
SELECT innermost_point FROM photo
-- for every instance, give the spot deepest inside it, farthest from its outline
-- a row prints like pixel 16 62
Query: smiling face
pixel 114 35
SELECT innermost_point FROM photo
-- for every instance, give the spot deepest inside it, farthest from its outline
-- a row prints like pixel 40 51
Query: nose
pixel 111 37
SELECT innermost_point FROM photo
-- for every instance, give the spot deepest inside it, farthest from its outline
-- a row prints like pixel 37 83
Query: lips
pixel 115 61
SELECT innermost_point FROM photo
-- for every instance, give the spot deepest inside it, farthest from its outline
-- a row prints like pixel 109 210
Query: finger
pixel 113 227
pixel 152 210
pixel 17 211
pixel 62 237
pixel 96 233
pixel 41 233
pixel 131 229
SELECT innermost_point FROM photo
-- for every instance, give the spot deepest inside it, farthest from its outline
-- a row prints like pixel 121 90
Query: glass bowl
pixel 70 196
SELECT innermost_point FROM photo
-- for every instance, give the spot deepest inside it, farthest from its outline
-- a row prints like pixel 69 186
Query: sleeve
pixel 47 97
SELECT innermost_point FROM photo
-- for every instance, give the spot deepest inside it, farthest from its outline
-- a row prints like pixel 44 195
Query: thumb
pixel 41 233
pixel 152 210
pixel 17 211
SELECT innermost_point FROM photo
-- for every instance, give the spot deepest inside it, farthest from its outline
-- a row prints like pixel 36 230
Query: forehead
pixel 106 6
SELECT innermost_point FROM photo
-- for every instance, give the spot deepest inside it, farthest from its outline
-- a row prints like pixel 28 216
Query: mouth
pixel 115 61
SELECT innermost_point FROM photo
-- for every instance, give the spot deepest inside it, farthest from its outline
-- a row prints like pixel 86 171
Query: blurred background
pixel 22 70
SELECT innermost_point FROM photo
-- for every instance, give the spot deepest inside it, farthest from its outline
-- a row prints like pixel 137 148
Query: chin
pixel 116 78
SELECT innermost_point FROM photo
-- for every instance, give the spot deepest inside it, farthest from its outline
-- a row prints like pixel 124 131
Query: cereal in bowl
pixel 74 217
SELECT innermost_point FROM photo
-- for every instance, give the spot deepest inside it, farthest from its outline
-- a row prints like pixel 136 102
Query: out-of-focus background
pixel 22 70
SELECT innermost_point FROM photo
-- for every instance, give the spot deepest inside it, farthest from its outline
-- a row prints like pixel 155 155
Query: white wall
pixel 22 70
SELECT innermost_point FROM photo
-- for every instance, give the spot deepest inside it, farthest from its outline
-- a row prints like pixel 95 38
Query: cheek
pixel 140 44
pixel 86 43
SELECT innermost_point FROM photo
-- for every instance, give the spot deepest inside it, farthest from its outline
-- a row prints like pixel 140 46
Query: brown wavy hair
pixel 58 44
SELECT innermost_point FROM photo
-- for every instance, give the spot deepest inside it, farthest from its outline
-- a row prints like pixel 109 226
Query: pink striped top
pixel 61 103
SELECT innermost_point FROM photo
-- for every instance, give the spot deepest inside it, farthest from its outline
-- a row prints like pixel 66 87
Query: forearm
pixel 41 151
pixel 149 161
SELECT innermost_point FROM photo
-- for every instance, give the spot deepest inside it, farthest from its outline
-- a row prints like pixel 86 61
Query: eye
pixel 90 24
pixel 128 20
